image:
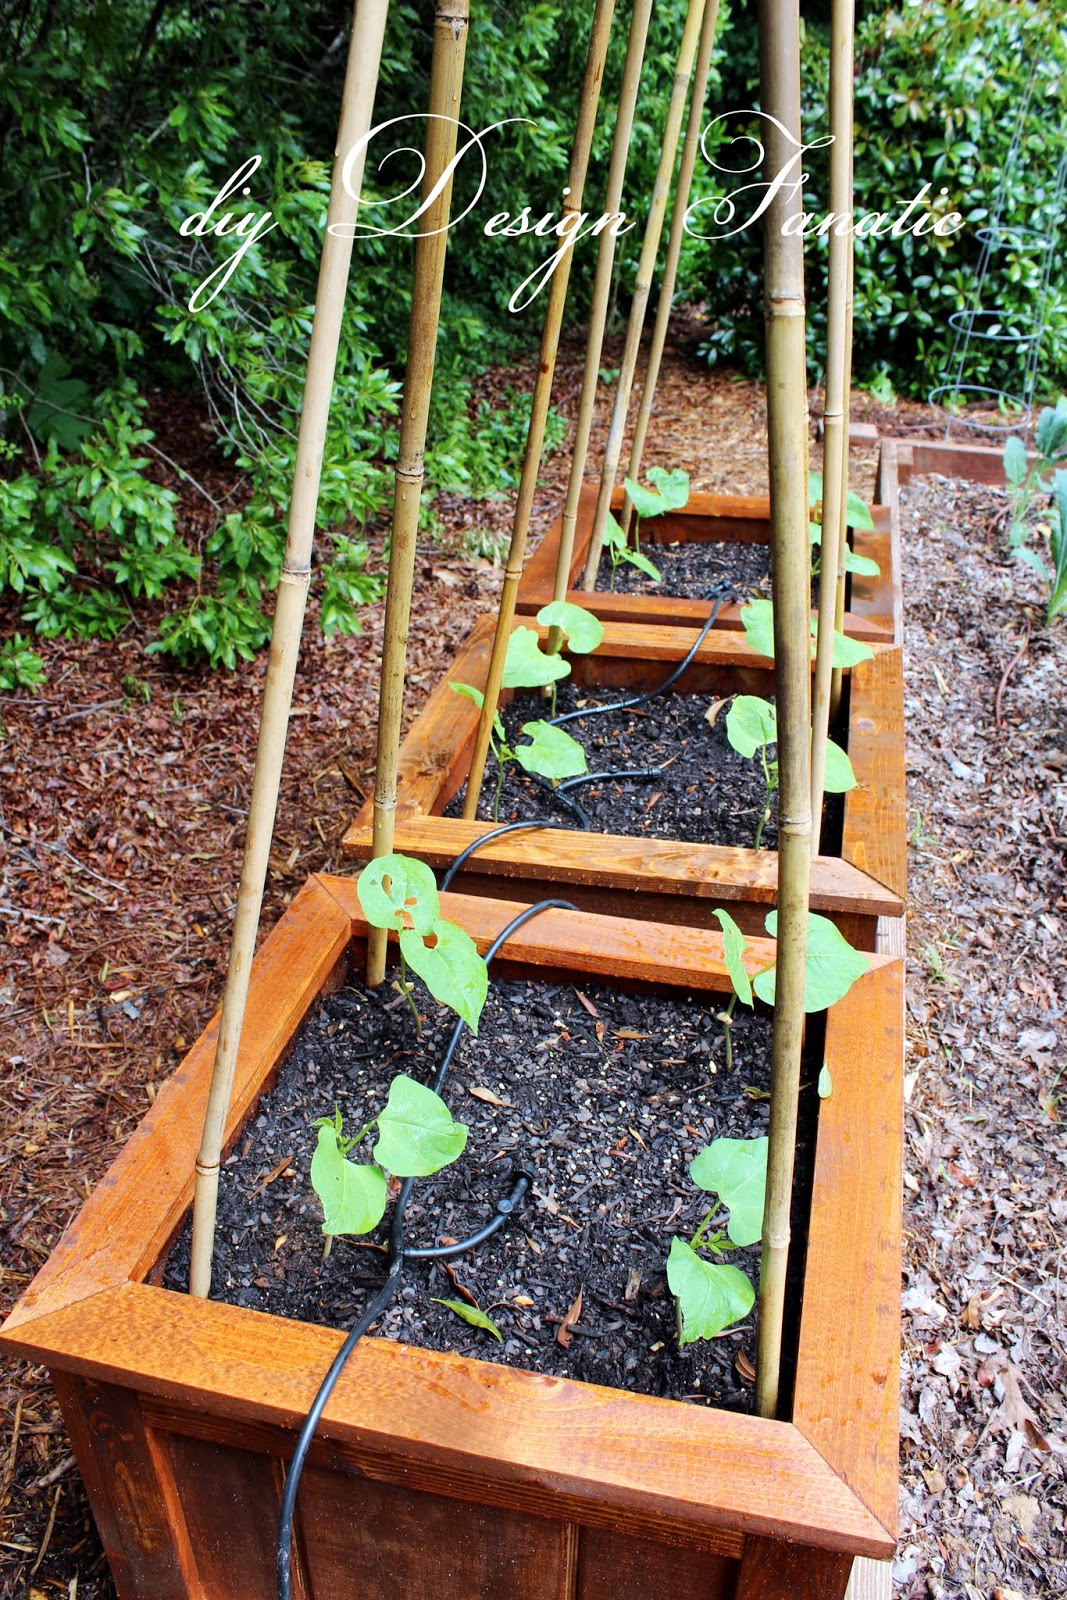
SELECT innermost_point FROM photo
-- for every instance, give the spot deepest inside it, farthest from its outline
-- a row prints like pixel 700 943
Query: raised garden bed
pixel 675 879
pixel 434 1474
pixel 722 521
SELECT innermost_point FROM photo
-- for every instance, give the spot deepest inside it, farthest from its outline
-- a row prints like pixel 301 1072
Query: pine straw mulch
pixel 123 794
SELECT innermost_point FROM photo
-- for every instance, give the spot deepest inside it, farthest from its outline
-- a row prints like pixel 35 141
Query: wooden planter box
pixel 875 610
pixel 900 460
pixel 676 881
pixel 441 1478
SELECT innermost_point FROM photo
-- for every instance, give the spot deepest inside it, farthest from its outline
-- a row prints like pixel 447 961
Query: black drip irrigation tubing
pixel 522 1180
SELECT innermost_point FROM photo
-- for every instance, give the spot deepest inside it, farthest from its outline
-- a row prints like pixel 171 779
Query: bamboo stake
pixel 839 608
pixel 835 406
pixel 542 395
pixel 357 108
pixel 643 287
pixel 598 315
pixel 442 130
pixel 787 422
pixel 674 248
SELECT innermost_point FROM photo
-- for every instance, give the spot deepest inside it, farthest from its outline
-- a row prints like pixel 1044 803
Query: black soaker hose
pixel 399 1252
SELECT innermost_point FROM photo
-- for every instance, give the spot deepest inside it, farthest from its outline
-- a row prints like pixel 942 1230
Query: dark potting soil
pixel 690 569
pixel 698 788
pixel 605 1097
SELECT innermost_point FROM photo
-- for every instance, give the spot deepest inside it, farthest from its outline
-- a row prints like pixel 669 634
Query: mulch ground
pixel 123 795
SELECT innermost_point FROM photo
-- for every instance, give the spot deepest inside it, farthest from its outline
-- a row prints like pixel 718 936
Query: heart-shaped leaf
pixel 758 621
pixel 862 566
pixel 839 776
pixel 751 723
pixel 646 502
pixel 711 1296
pixel 527 667
pixel 638 559
pixel 471 1314
pixel 673 486
pixel 551 753
pixel 451 969
pixel 582 631
pixel 858 513
pixel 735 1170
pixel 733 944
pixel 398 892
pixel 832 966
pixel 1015 461
pixel 417 1133
pixel 353 1197
pixel 478 697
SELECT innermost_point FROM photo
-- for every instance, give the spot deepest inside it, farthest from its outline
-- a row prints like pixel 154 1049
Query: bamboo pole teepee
pixel 787 425
pixel 643 286
pixel 361 78
pixel 542 395
pixel 690 147
pixel 835 405
pixel 598 314
pixel 446 83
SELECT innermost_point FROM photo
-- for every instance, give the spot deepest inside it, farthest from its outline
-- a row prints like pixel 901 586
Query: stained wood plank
pixel 680 611
pixel 378 1539
pixel 951 459
pixel 623 947
pixel 646 866
pixel 108 1242
pixel 847 1390
pixel 870 1580
pixel 467 1429
pixel 772 1570
pixel 229 1500
pixel 615 1568
pixel 135 1504
pixel 874 837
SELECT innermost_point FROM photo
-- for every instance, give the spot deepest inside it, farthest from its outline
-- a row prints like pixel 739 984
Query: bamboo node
pixel 780 303
pixel 797 828
pixel 777 1241
pixel 204 1169
pixel 296 572
pixel 410 474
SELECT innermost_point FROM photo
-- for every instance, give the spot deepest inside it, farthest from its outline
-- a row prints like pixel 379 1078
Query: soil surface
pixel 692 569
pixel 124 788
pixel 698 787
pixel 603 1097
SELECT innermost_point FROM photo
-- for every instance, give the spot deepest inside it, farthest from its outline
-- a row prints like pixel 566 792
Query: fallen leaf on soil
pixel 633 1284
pixel 630 1033
pixel 587 1003
pixel 487 1095
pixel 711 715
pixel 744 1368
pixel 563 1332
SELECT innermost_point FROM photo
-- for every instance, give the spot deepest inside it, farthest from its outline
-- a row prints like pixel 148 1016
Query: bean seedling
pixel 752 727
pixel 857 515
pixel 671 493
pixel 1032 512
pixel 757 617
pixel 551 753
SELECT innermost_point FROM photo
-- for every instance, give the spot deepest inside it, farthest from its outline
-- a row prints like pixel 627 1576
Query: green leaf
pixel 673 486
pixel 857 513
pixel 1016 465
pixel 751 723
pixel 862 566
pixel 735 1170
pixel 832 966
pixel 826 1083
pixel 814 489
pixel 1050 436
pixel 479 700
pixel 614 538
pixel 758 621
pixel 638 559
pixel 527 667
pixel 582 631
pixel 398 892
pixel 417 1133
pixel 353 1197
pixel 451 969
pixel 551 753
pixel 711 1297
pixel 646 502
pixel 471 1314
pixel 733 943
pixel 839 776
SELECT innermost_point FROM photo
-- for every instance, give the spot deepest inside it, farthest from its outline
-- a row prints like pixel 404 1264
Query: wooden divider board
pixel 873 616
pixel 869 881
pixel 471 1431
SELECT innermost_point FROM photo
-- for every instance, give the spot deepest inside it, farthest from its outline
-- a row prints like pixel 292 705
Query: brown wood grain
pixel 230 1500
pixel 875 830
pixel 847 1390
pixel 612 1567
pixel 773 1570
pixel 705 872
pixel 134 1500
pixel 109 1242
pixel 468 1429
pixel 950 459
pixel 680 611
